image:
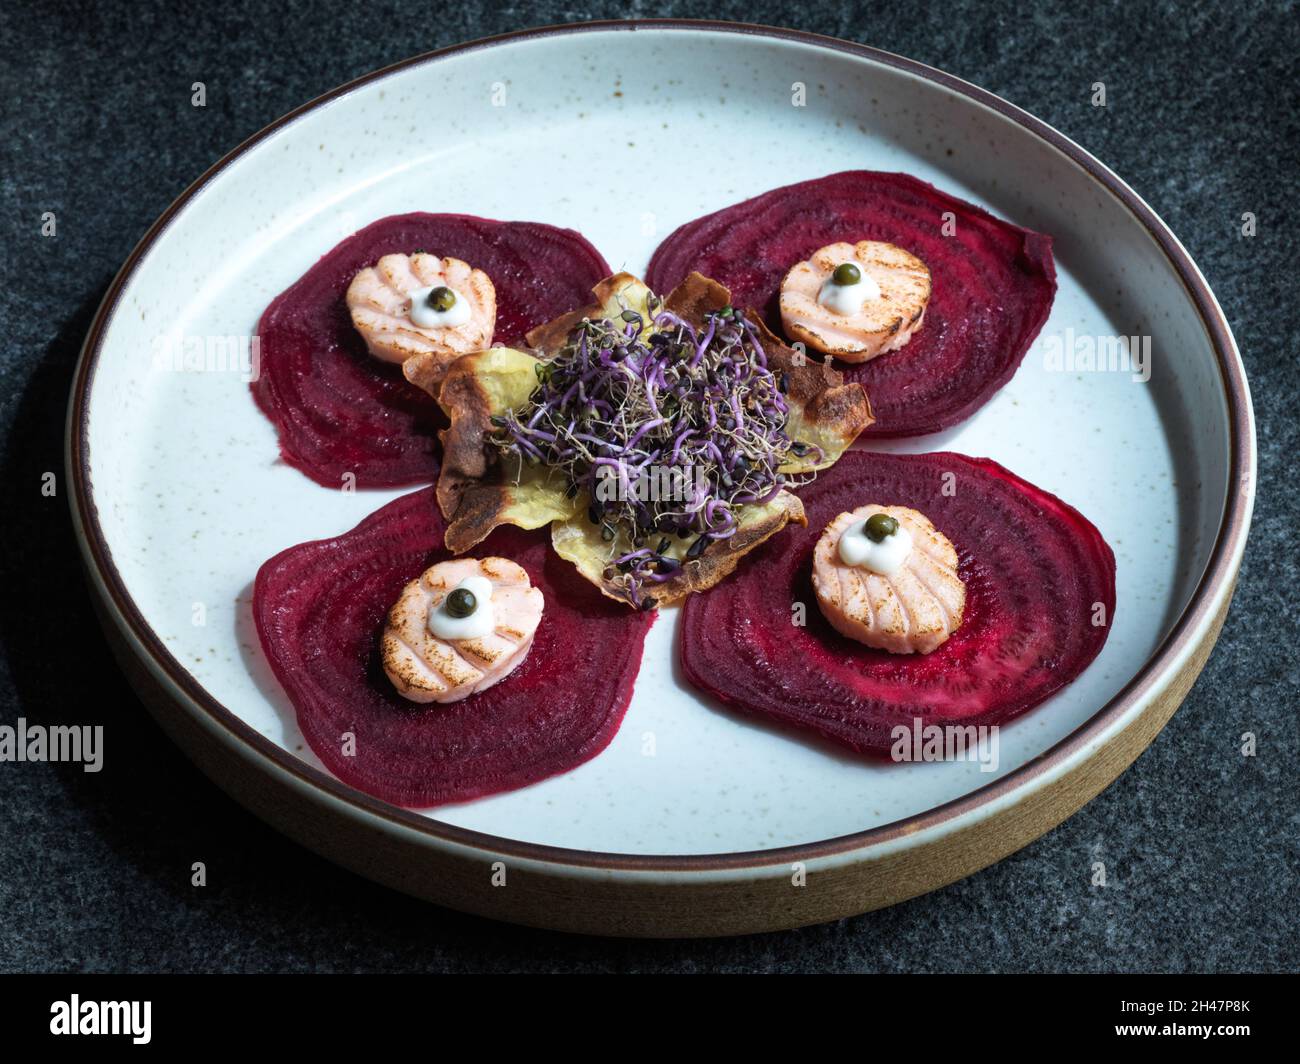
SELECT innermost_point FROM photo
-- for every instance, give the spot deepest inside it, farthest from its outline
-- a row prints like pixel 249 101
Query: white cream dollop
pixel 426 317
pixel 848 298
pixel 884 558
pixel 478 624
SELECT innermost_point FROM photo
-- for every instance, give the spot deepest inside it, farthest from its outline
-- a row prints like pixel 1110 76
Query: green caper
pixel 878 526
pixel 846 274
pixel 461 602
pixel 441 298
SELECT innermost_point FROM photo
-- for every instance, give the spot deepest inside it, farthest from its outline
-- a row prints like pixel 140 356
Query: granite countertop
pixel 1200 843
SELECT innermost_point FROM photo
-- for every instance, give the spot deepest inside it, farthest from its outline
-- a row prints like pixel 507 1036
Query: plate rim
pixel 1159 669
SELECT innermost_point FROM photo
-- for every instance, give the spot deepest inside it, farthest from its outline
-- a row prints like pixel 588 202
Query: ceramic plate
pixel 180 496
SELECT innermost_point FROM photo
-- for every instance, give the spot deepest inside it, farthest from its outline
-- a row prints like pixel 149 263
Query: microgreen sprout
pixel 621 400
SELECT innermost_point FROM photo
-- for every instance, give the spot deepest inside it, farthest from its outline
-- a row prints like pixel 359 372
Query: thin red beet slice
pixel 320 607
pixel 992 283
pixel 1035 570
pixel 337 409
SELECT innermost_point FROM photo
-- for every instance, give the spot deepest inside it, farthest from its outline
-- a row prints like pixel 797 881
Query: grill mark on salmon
pixel 425 668
pixel 915 610
pixel 881 325
pixel 379 300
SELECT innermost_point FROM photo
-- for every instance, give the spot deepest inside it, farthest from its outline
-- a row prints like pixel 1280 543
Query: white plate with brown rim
pixel 730 826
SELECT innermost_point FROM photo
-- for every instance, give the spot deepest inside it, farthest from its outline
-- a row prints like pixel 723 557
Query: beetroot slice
pixel 320 608
pixel 1034 569
pixel 337 409
pixel 992 283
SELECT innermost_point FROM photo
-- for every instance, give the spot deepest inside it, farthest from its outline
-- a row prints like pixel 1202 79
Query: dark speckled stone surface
pixel 1200 844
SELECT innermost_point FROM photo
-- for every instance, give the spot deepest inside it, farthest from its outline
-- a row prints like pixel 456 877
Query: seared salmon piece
pixel 913 607
pixel 390 308
pixel 858 321
pixel 477 648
